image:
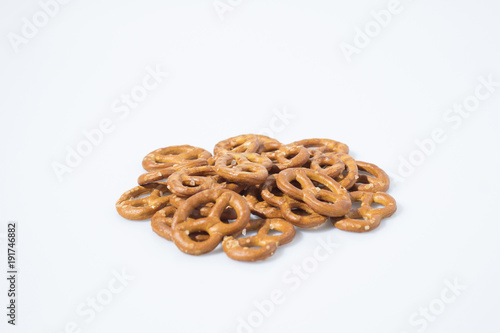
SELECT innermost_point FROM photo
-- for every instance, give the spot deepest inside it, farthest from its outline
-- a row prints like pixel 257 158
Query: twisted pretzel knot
pixel 203 210
pixel 378 181
pixel 294 211
pixel 371 217
pixel 246 168
pixel 331 200
pixel 262 245
pixel 211 224
pixel 185 155
pixel 330 164
pixel 248 143
pixel 133 208
pixel 189 181
pixel 322 146
pixel 301 156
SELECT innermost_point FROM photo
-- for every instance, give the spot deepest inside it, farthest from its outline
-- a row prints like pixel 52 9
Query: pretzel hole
pixel 290 155
pixel 228 221
pixel 296 184
pixel 299 211
pixel 376 205
pixel 199 236
pixel 356 205
pixel 274 232
pixel 277 192
pixel 141 196
pixel 365 173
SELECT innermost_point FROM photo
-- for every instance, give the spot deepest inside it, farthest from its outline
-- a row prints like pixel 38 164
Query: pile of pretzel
pixel 198 200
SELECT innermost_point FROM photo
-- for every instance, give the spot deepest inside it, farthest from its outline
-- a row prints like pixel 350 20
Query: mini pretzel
pixel 133 208
pixel 262 245
pixel 211 224
pixel 227 214
pixel 378 181
pixel 186 155
pixel 322 146
pixel 350 174
pixel 290 208
pixel 248 143
pixel 258 205
pixel 161 223
pixel 371 217
pixel 268 146
pixel 246 168
pixel 334 202
pixel 301 156
pixel 334 165
pixel 159 175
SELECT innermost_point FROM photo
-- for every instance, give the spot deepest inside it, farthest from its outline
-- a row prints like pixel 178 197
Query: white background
pixel 227 77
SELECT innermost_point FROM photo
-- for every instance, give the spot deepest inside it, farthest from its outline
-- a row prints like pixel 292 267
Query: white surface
pixel 225 78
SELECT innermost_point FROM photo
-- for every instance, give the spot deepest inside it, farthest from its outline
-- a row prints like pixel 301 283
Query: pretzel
pixel 161 223
pixel 301 156
pixel 258 205
pixel 334 202
pixel 185 155
pixel 322 146
pixel 248 143
pixel 262 245
pixel 212 224
pixel 349 176
pixel 245 168
pixel 190 181
pixel 334 165
pixel 377 181
pixel 290 208
pixel 268 146
pixel 227 214
pixel 158 176
pixel 371 217
pixel 133 208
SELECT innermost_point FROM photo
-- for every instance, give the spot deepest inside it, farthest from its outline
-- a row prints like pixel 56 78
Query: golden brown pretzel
pixel 211 224
pixel 294 211
pixel 244 168
pixel 258 205
pixel 262 245
pixel 159 176
pixel 227 214
pixel 268 146
pixel 301 156
pixel 161 223
pixel 322 146
pixel 377 181
pixel 349 175
pixel 247 143
pixel 366 218
pixel 133 208
pixel 332 201
pixel 329 163
pixel 186 155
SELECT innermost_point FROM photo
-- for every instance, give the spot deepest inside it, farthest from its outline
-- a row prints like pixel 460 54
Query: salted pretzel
pixel 245 168
pixel 301 156
pixel 331 200
pixel 366 218
pixel 262 245
pixel 133 208
pixel 376 181
pixel 189 181
pixel 211 224
pixel 268 146
pixel 330 164
pixel 247 143
pixel 185 155
pixel 316 146
pixel 204 210
pixel 159 176
pixel 349 175
pixel 161 223
pixel 294 211
pixel 258 205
